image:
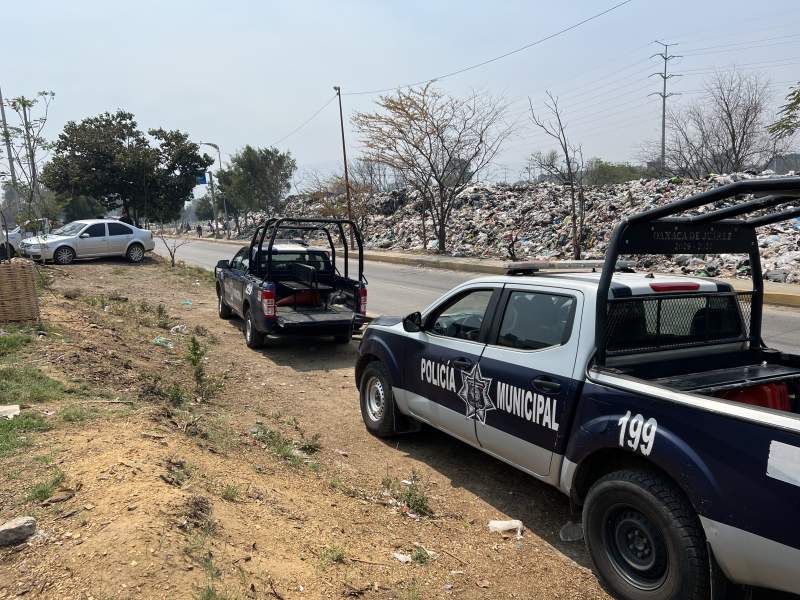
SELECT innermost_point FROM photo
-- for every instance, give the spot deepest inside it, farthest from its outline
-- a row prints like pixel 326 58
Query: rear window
pixel 281 261
pixel 659 323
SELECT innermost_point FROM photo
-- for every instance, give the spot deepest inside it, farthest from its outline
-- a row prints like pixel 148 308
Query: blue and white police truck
pixel 650 400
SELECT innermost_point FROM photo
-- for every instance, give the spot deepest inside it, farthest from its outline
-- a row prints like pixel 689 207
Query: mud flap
pixel 720 587
pixel 404 423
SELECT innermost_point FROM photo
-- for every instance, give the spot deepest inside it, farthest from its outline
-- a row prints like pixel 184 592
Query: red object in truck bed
pixel 767 395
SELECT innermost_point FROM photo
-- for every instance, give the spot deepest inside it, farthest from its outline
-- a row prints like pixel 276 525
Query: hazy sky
pixel 239 72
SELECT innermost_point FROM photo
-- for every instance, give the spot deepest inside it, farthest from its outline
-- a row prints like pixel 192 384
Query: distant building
pixel 784 164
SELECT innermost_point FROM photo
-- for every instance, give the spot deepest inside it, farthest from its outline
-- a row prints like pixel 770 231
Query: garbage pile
pixel 488 219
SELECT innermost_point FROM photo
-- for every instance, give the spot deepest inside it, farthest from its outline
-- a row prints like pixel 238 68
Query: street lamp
pixel 224 202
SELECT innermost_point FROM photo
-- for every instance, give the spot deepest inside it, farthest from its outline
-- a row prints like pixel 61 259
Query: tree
pixel 82 207
pixel 437 143
pixel 203 209
pixel 789 121
pixel 564 166
pixel 27 143
pixel 724 132
pixel 108 158
pixel 259 178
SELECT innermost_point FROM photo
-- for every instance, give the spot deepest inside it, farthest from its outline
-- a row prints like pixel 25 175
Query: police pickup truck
pixel 291 288
pixel 650 400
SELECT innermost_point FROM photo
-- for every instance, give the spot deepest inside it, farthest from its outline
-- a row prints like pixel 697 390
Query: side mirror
pixel 83 236
pixel 413 322
pixel 223 264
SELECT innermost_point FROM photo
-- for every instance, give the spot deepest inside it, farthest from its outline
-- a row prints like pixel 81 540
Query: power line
pixel 494 59
pixel 306 122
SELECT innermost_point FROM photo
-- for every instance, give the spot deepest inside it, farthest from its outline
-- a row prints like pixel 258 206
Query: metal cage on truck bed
pixel 646 321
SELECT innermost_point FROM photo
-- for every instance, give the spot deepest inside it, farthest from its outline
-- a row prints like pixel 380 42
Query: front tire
pixel 63 255
pixel 135 253
pixel 644 538
pixel 377 400
pixel 253 337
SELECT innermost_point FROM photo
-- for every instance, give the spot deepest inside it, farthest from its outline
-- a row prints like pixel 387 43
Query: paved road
pixel 400 289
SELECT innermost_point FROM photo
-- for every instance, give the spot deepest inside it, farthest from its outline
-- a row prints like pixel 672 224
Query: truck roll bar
pixel 659 231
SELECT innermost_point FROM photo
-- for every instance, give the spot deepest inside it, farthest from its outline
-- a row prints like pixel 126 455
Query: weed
pixel 9 344
pixel 205 387
pixel 26 384
pixel 44 459
pixel 414 497
pixel 411 593
pixel 420 556
pixel 200 330
pixel 231 493
pixel 11 438
pixel 175 395
pixel 42 491
pixel 76 414
pixel 278 444
pixel 331 556
pixel 209 592
pixel 314 466
pixel 311 445
pixel 145 307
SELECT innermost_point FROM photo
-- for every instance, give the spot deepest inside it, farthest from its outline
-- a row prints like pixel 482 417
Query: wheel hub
pixel 635 547
pixel 376 399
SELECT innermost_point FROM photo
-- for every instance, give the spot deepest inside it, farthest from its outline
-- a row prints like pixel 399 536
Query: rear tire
pixel 63 255
pixel 644 538
pixel 253 337
pixel 377 400
pixel 135 253
pixel 223 309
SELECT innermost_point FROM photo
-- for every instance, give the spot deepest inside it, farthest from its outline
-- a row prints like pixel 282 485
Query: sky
pixel 250 72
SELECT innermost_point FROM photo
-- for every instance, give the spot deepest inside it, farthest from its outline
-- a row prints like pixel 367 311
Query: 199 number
pixel 636 433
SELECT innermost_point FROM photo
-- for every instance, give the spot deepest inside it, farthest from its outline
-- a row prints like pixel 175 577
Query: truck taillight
pixel 267 297
pixel 362 300
pixel 674 287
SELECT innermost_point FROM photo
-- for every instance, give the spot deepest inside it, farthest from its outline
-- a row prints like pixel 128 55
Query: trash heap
pixel 487 217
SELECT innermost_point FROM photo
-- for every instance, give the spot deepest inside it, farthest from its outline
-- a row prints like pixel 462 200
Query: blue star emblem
pixel 475 394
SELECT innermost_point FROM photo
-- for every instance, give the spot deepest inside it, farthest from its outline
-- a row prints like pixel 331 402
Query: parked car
pixel 14 238
pixel 89 238
pixel 288 287
pixel 651 401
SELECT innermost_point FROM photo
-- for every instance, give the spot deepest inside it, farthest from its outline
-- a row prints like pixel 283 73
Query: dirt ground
pixel 259 481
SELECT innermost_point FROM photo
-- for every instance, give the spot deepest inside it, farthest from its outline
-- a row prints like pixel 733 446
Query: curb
pixel 493 267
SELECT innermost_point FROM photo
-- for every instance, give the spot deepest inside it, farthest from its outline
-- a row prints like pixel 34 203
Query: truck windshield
pixel 653 323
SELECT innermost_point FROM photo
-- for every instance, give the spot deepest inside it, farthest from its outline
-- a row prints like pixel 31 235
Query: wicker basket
pixel 18 300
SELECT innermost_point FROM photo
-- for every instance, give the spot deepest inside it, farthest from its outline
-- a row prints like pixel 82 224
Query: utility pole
pixel 338 91
pixel 224 201
pixel 666 57
pixel 213 200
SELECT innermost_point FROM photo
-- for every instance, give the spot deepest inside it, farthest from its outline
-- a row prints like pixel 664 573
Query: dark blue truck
pixel 650 400
pixel 290 288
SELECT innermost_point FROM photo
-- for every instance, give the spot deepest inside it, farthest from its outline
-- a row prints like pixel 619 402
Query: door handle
pixel 462 363
pixel 546 385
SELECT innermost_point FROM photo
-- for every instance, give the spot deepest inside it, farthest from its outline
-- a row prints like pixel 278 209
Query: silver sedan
pixel 89 238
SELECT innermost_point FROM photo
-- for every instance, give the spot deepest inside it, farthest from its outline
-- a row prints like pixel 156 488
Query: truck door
pixel 233 283
pixel 529 365
pixel 443 353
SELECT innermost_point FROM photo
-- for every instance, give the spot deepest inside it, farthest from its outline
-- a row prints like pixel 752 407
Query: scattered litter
pixel 483 583
pixel 117 298
pixel 571 532
pixel 186 302
pixel 431 554
pixel 9 411
pixel 163 342
pixel 403 558
pixel 342 452
pixel 182 329
pixel 504 526
pixel 407 482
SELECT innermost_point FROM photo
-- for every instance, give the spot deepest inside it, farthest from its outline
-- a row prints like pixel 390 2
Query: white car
pixel 89 238
pixel 14 238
